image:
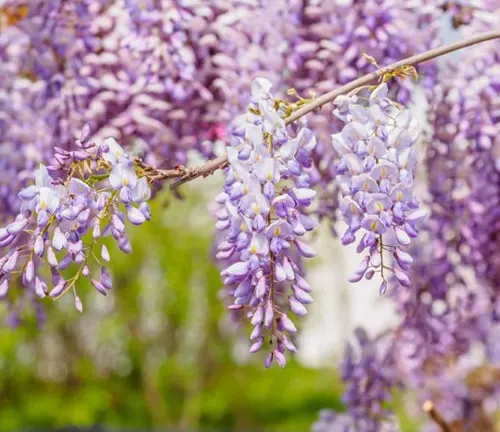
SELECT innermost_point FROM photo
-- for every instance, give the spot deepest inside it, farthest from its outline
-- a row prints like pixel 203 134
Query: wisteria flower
pixel 377 166
pixel 266 194
pixel 57 213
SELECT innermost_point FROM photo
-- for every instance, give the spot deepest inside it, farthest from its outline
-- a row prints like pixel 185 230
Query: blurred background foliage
pixel 158 351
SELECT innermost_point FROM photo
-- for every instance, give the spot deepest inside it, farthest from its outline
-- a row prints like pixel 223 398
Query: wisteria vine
pixel 166 80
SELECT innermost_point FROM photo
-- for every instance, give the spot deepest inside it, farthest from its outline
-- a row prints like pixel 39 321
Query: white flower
pixel 261 88
pixel 115 153
pixel 141 191
pixel 272 120
pixel 42 196
pixel 48 200
pixel 123 175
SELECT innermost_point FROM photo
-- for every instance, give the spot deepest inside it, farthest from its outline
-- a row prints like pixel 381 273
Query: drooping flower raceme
pixel 266 194
pixel 369 372
pixel 377 163
pixel 451 312
pixel 62 220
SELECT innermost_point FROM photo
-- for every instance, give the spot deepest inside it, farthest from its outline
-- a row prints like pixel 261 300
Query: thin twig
pixel 430 409
pixel 202 170
pixel 188 174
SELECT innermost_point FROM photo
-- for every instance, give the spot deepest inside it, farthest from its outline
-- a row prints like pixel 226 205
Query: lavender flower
pixel 377 163
pixel 462 159
pixel 265 196
pixel 369 373
pixel 328 51
pixel 56 214
pixel 448 314
pixel 162 78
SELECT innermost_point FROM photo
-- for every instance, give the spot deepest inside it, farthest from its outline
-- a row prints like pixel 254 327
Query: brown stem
pixel 430 409
pixel 188 174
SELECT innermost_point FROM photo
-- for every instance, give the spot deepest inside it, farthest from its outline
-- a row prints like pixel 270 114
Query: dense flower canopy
pixel 98 99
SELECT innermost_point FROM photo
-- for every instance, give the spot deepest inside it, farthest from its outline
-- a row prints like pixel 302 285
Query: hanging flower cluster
pixel 63 220
pixel 452 309
pixel 369 372
pixel 266 195
pixel 328 51
pixel 376 171
pixel 164 78
pixel 366 398
pixel 463 162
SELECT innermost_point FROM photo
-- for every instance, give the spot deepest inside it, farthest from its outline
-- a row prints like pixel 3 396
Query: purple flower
pixel 57 213
pixel 263 220
pixel 123 176
pixel 376 169
pixel 369 371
